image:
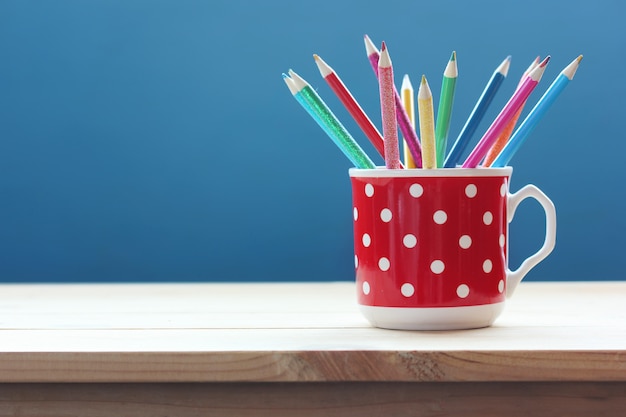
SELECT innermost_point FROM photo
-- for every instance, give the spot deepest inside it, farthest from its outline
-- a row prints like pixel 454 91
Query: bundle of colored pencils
pixel 494 149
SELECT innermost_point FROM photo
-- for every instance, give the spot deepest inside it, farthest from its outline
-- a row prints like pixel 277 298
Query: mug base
pixel 435 318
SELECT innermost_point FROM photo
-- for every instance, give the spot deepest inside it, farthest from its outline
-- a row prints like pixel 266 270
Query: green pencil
pixel 444 111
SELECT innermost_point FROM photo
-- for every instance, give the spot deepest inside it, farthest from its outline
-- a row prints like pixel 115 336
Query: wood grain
pixel 315 399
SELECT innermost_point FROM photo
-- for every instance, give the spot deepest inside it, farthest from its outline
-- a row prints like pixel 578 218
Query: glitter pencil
pixel 510 126
pixel 507 112
pixel 388 109
pixel 408 101
pixel 444 111
pixel 477 114
pixel 315 106
pixel 535 115
pixel 349 102
pixel 408 132
pixel 427 125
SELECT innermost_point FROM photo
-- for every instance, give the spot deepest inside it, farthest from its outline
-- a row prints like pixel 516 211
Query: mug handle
pixel 514 277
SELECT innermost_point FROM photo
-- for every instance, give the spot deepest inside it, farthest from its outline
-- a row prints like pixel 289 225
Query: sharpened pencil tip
pixel 580 58
pixel 453 56
pixel 545 61
pixel 383 47
pixel 316 57
pixel 370 48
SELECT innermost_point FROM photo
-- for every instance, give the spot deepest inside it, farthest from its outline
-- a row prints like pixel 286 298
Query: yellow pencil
pixel 427 125
pixel 408 102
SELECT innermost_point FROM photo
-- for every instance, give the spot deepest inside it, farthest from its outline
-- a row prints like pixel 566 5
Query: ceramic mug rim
pixel 382 172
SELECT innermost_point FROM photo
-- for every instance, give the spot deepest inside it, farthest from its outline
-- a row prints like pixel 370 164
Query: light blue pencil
pixel 325 118
pixel 477 114
pixel 535 115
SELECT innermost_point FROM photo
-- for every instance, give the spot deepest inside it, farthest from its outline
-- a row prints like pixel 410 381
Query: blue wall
pixel 155 140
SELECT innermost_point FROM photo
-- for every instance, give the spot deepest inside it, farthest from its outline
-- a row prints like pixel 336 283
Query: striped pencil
pixel 535 115
pixel 506 133
pixel 408 101
pixel 507 112
pixel 444 111
pixel 427 125
pixel 388 109
pixel 348 100
pixel 477 114
pixel 315 106
pixel 404 123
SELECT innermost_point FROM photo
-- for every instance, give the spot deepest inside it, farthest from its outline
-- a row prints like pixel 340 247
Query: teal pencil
pixel 319 111
pixel 444 111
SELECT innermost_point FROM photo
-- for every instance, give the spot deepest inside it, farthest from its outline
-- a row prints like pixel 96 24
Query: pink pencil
pixel 388 110
pixel 410 136
pixel 507 112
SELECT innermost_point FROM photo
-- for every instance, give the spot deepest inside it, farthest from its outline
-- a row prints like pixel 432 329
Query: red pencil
pixel 388 109
pixel 351 105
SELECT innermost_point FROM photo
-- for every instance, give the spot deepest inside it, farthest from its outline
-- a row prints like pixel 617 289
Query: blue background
pixel 156 140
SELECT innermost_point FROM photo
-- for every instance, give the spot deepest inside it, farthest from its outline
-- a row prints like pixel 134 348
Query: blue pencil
pixel 535 115
pixel 477 114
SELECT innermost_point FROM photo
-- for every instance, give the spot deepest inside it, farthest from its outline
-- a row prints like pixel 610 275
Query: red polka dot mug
pixel 431 245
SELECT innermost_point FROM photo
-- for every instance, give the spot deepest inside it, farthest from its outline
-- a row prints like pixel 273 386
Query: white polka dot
pixel 385 215
pixel 356 261
pixel 366 287
pixel 369 190
pixel 366 240
pixel 471 191
pixel 440 217
pixel 462 290
pixel 383 264
pixel 503 189
pixel 416 190
pixel 502 240
pixel 487 266
pixel 355 212
pixel 407 289
pixel 409 240
pixel 487 218
pixel 501 286
pixel 465 241
pixel 437 266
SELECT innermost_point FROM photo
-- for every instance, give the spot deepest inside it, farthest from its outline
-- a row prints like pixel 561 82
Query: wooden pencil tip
pixel 383 47
pixel 423 79
pixel 580 58
pixel 370 48
pixel 316 57
pixel 453 56
pixel 545 61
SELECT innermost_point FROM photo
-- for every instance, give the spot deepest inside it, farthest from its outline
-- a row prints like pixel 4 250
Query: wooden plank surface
pixel 460 399
pixel 298 332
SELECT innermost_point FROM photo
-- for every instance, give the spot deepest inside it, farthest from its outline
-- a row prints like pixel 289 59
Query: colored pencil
pixel 350 103
pixel 477 114
pixel 535 115
pixel 408 101
pixel 388 109
pixel 315 106
pixel 427 125
pixel 444 111
pixel 404 123
pixel 510 126
pixel 507 112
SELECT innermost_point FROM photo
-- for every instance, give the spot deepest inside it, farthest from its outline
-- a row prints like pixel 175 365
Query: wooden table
pixel 302 350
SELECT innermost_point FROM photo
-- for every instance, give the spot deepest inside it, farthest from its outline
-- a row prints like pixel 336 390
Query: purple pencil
pixel 410 136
